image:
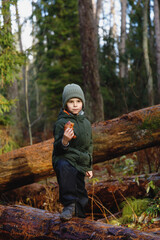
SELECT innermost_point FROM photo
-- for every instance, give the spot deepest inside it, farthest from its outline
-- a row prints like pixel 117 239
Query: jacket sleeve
pixel 59 148
pixel 90 150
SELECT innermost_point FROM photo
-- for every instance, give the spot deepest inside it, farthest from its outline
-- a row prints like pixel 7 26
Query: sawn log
pixel 22 222
pixel 128 133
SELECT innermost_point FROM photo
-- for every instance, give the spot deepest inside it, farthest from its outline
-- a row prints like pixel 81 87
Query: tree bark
pixel 26 165
pixel 98 12
pixel 157 38
pixel 21 222
pixel 91 78
pixel 113 15
pixel 27 105
pixel 122 50
pixel 97 7
pixel 128 133
pixel 24 84
pixel 146 54
pixel 123 39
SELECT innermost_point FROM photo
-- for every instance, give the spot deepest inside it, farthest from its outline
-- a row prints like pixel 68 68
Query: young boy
pixel 72 156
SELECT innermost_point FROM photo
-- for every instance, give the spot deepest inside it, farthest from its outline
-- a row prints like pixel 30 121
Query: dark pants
pixel 71 186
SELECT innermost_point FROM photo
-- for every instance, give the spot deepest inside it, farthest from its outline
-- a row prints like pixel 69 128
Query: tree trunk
pixel 21 222
pixel 122 50
pixel 91 79
pixel 157 37
pixel 113 14
pixel 123 39
pixel 27 105
pixel 24 84
pixel 97 7
pixel 128 133
pixel 20 46
pixel 146 54
pixel 98 12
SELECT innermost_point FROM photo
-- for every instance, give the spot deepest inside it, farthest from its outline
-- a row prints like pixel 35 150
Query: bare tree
pixel 97 7
pixel 98 11
pixel 157 36
pixel 146 56
pixel 24 73
pixel 27 105
pixel 114 27
pixel 91 78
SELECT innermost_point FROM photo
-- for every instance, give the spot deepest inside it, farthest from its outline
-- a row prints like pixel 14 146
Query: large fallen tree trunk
pixel 21 222
pixel 128 133
pixel 26 165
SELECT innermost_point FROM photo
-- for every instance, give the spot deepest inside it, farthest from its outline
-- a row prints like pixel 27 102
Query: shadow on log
pixel 128 133
pixel 21 222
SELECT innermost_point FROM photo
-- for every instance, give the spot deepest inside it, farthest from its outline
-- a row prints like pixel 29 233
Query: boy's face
pixel 74 105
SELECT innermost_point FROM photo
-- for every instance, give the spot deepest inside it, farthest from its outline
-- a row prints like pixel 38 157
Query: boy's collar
pixel 81 112
pixel 68 113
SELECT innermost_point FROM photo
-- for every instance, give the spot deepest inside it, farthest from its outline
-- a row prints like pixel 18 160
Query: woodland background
pixel 111 48
pixel 117 65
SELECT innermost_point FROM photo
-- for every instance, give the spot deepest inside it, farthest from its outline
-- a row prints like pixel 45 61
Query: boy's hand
pixel 67 136
pixel 89 174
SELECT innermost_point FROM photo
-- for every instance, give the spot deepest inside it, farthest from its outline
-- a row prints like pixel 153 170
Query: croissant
pixel 69 124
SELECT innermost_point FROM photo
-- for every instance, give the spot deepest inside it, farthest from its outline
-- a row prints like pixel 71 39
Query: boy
pixel 72 156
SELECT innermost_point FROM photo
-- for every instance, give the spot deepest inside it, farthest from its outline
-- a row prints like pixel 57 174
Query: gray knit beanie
pixel 72 91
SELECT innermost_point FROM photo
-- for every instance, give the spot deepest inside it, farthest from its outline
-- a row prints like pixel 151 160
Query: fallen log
pixel 26 165
pixel 22 222
pixel 109 193
pixel 114 191
pixel 128 133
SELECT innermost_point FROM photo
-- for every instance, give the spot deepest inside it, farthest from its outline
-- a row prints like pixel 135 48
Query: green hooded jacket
pixel 79 151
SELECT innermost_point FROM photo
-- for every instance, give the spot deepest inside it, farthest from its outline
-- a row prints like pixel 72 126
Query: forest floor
pixel 148 220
